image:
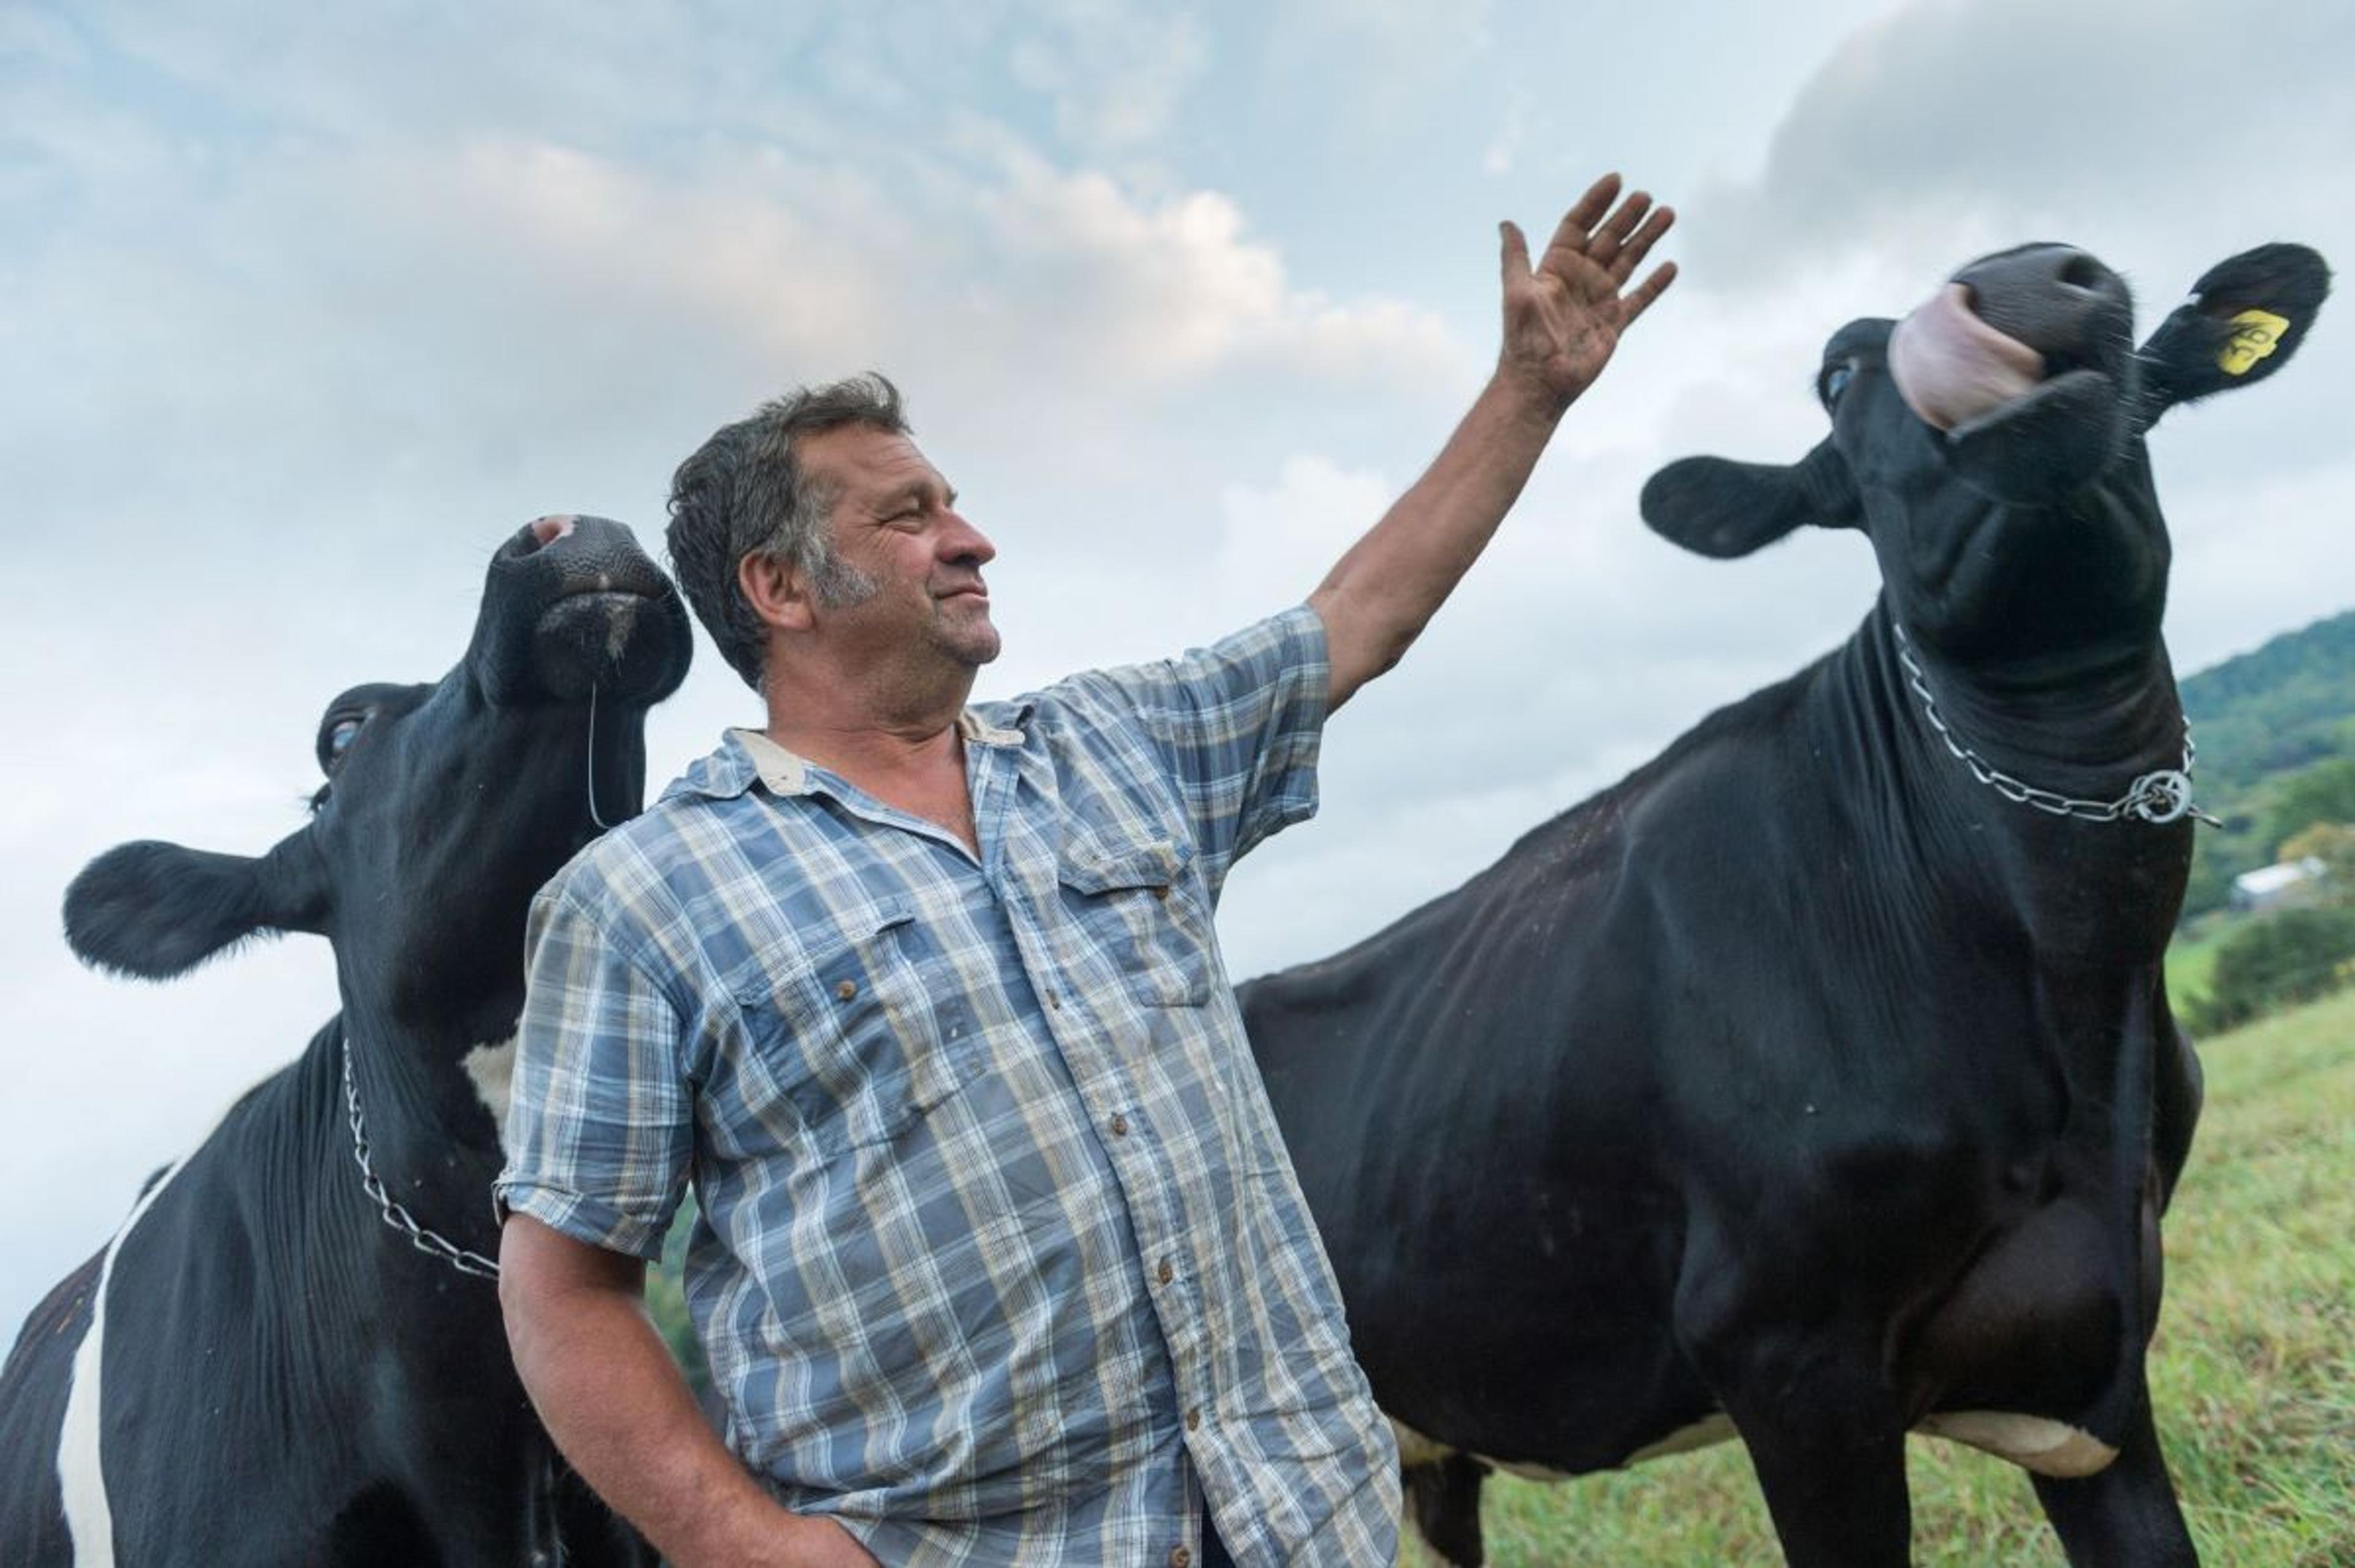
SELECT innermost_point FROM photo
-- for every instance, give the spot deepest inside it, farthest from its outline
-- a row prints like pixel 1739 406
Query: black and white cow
pixel 1816 1084
pixel 263 1367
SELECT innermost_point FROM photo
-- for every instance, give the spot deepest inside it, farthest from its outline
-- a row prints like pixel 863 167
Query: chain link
pixel 430 1242
pixel 2161 796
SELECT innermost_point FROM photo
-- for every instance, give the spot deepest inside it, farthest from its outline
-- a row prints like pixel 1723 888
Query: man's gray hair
pixel 743 491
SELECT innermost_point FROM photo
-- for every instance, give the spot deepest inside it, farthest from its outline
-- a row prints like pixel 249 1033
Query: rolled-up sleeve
pixel 599 1129
pixel 1238 725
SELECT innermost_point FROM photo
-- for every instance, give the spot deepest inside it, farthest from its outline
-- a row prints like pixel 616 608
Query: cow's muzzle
pixel 578 606
pixel 2025 359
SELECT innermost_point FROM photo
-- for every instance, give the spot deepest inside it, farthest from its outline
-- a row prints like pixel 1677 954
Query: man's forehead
pixel 861 460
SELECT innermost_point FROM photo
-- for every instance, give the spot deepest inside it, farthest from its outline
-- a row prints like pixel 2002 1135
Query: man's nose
pixel 960 541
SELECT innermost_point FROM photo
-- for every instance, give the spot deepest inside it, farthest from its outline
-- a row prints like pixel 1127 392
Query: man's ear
pixel 1716 506
pixel 777 590
pixel 156 909
pixel 2244 319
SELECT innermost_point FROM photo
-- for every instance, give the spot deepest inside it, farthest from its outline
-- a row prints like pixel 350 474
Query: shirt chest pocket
pixel 851 1043
pixel 1136 900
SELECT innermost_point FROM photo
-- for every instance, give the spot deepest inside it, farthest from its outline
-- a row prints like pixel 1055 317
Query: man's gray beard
pixel 839 585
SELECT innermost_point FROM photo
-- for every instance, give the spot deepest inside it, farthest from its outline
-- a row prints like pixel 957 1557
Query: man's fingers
pixel 1651 289
pixel 1576 224
pixel 1607 241
pixel 1629 256
pixel 1515 260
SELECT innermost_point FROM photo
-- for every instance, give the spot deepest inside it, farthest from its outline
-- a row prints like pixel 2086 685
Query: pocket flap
pixel 1090 864
pixel 815 955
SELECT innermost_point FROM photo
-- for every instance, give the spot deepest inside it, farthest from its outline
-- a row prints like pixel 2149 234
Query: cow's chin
pixel 624 646
pixel 2043 446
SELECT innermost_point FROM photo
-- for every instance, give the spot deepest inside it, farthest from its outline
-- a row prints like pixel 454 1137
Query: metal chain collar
pixel 2156 798
pixel 428 1242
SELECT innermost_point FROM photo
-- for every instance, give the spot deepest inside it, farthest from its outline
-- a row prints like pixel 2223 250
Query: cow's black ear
pixel 1716 506
pixel 158 909
pixel 2244 319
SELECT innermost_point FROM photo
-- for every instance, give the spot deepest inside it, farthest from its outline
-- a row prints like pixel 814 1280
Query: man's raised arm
pixel 1563 319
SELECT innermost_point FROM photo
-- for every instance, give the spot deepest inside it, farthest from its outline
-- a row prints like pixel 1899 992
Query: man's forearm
pixel 1382 593
pixel 608 1390
pixel 1563 320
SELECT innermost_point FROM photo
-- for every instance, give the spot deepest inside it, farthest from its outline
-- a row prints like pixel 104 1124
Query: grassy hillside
pixel 2253 1371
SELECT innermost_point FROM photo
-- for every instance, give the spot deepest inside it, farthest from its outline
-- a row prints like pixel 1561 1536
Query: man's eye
pixel 1835 382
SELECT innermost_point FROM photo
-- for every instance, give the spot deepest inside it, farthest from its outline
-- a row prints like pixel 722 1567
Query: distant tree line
pixel 2290 955
pixel 2276 736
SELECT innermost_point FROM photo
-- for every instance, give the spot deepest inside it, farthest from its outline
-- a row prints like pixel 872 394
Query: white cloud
pixel 1514 128
pixel 2148 131
pixel 1114 76
pixel 1279 542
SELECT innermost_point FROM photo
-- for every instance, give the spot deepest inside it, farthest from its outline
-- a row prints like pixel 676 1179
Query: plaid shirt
pixel 1000 1256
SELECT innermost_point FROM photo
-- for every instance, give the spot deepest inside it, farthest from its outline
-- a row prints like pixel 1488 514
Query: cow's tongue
pixel 1950 367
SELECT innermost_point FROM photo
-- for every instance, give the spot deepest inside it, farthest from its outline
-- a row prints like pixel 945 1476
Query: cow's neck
pixel 2085 724
pixel 2099 892
pixel 433 1137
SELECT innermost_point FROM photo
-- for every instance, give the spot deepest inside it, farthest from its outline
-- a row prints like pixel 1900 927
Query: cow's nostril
pixel 546 531
pixel 2080 271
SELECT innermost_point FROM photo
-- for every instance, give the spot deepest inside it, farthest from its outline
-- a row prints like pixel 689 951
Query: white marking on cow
pixel 492 1067
pixel 1709 1431
pixel 81 1476
pixel 621 620
pixel 1413 1447
pixel 2035 1442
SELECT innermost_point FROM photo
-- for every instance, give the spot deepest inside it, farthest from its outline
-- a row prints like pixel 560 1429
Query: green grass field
pixel 2253 1371
pixel 2191 959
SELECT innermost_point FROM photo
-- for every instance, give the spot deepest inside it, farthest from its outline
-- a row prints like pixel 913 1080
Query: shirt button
pixel 1119 1126
pixel 1181 1558
pixel 1194 1419
pixel 847 989
pixel 1165 1274
pixel 1162 891
pixel 1054 1000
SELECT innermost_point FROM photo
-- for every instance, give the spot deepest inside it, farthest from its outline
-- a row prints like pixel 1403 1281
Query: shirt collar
pixel 746 754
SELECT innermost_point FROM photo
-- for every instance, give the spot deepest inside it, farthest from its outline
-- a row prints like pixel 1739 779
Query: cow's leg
pixel 1827 1446
pixel 2125 1516
pixel 1443 1502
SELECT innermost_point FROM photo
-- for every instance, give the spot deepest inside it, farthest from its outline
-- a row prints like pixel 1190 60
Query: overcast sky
pixel 302 313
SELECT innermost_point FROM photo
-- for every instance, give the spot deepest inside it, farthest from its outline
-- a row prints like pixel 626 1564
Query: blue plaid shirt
pixel 1000 1256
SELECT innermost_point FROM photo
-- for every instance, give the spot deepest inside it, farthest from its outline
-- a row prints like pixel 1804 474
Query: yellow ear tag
pixel 2256 333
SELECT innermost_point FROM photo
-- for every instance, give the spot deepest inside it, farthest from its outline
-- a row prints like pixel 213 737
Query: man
pixel 1000 1259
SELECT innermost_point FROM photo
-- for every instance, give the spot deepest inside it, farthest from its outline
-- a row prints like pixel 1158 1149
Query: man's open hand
pixel 1563 317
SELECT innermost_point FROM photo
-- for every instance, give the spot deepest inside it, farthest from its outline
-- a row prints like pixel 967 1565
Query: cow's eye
pixel 1834 381
pixel 336 738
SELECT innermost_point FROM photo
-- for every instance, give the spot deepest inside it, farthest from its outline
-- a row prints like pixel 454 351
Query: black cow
pixel 285 1354
pixel 1816 1084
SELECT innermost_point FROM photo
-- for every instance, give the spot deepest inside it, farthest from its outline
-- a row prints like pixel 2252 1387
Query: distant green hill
pixel 2276 735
